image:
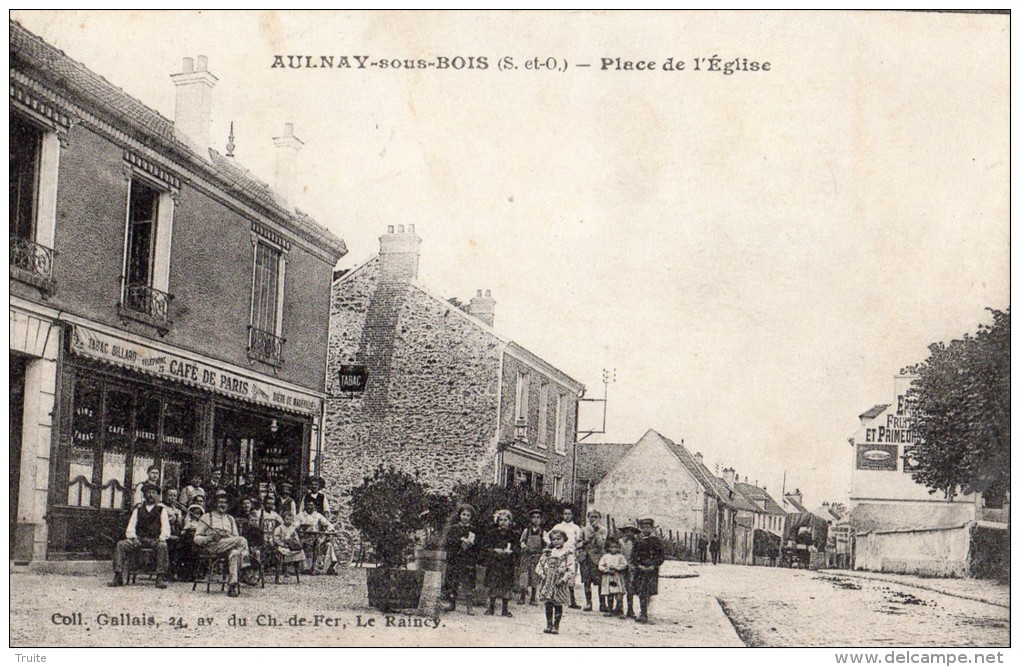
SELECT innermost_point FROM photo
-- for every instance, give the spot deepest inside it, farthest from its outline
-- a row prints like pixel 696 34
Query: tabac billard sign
pixel 353 378
pixel 876 457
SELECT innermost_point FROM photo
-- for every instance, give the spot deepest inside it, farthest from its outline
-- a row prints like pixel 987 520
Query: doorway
pixel 17 416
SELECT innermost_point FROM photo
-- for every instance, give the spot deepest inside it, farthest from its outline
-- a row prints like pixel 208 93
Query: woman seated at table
pixel 319 548
pixel 287 540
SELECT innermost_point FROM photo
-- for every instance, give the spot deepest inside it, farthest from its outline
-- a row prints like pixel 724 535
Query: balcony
pixel 33 264
pixel 148 305
pixel 265 347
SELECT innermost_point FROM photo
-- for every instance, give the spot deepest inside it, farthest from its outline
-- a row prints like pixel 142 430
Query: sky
pixel 755 254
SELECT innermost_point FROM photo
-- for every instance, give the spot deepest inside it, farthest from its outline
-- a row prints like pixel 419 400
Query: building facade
pixel 167 308
pixel 442 392
pixel 898 524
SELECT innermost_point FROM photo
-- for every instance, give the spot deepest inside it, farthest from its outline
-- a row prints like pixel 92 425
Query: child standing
pixel 556 569
pixel 499 556
pixel 533 543
pixel 648 555
pixel 613 566
pixel 461 558
pixel 627 541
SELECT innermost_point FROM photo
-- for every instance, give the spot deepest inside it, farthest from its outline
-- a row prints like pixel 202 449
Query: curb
pixel 911 584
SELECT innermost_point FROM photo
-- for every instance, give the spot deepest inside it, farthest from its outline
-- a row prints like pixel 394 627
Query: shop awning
pixel 173 367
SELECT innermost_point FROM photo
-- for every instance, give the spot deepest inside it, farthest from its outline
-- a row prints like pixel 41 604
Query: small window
pixel 265 342
pixel 558 486
pixel 543 415
pixel 25 154
pixel 147 253
pixel 521 404
pixel 561 423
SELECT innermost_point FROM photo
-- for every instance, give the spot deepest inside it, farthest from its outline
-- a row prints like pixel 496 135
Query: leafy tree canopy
pixel 961 409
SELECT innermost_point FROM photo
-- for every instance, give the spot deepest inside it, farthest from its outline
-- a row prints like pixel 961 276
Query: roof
pixel 874 411
pixel 514 348
pixel 736 499
pixel 83 86
pixel 713 485
pixel 594 460
pixel 796 504
pixel 760 497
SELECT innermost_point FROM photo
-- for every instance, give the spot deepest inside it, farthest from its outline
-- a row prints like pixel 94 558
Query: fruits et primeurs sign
pixel 884 434
pixel 111 349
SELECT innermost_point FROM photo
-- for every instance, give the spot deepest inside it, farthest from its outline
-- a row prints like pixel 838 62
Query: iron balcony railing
pixel 265 346
pixel 148 301
pixel 32 258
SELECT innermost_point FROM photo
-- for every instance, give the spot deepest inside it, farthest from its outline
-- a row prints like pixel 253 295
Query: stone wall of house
pixel 433 384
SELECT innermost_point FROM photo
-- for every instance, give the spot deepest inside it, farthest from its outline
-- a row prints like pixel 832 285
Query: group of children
pixel 620 566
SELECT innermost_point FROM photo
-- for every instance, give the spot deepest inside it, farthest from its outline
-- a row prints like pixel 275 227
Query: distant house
pixel 440 391
pixel 592 462
pixel 771 516
pixel 661 479
pixel 900 525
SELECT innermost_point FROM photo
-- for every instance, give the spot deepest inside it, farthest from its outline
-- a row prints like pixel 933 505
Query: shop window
pixel 116 448
pixel 32 188
pixel 85 436
pixel 118 431
pixel 147 254
pixel 265 342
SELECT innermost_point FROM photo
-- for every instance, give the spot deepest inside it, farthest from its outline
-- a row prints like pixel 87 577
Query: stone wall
pixel 433 383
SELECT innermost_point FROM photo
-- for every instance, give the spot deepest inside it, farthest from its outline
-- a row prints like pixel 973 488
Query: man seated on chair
pixel 321 554
pixel 217 535
pixel 149 526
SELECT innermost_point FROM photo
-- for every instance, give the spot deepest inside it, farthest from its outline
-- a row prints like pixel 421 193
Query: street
pixel 697 606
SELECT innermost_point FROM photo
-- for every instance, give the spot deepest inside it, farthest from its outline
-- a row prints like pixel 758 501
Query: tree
pixel 961 411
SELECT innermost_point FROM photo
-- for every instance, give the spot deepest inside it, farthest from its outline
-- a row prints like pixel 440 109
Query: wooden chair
pixel 144 558
pixel 209 564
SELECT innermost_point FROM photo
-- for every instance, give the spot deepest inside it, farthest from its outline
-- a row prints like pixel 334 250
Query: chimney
pixel 796 497
pixel 398 255
pixel 729 476
pixel 483 307
pixel 287 148
pixel 193 108
pixel 698 457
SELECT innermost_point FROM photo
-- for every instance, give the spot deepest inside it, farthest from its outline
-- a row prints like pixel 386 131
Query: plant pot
pixel 393 589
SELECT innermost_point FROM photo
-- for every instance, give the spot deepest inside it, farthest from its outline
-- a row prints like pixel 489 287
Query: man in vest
pixel 149 526
pixel 315 499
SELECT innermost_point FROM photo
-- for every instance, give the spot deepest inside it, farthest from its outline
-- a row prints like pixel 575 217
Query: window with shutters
pixel 265 342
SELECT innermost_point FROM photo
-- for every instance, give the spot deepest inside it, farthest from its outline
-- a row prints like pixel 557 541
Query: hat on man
pixel 630 528
pixel 196 508
pixel 534 512
pixel 315 479
pixel 220 493
pixel 594 514
pixel 149 486
pixel 646 522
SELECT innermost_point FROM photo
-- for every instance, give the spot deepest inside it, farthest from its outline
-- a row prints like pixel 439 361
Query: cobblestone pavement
pixel 766 606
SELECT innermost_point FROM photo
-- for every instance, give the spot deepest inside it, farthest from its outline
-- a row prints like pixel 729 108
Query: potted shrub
pixel 389 508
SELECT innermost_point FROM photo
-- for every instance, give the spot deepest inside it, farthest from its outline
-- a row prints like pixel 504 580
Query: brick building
pixel 167 308
pixel 445 393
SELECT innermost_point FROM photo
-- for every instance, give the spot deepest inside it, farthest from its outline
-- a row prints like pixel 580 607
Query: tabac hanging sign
pixel 111 349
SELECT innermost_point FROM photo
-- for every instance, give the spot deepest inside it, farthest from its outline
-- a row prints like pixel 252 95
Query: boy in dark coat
pixel 647 556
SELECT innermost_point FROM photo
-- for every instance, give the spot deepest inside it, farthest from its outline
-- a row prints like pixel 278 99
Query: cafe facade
pixel 167 308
